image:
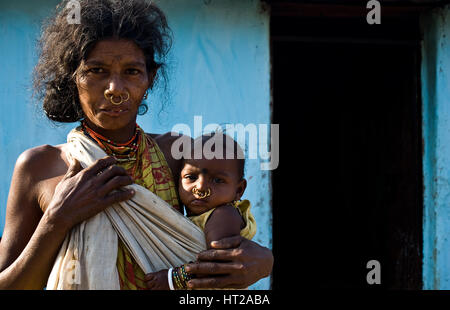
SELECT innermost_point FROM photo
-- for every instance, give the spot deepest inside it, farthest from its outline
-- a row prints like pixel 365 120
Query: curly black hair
pixel 63 45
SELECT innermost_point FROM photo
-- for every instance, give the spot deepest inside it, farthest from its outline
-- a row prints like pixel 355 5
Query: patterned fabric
pixel 150 170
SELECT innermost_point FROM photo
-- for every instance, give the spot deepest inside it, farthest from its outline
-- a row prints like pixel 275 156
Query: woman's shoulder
pixel 165 142
pixel 41 153
pixel 166 138
pixel 43 161
pixel 36 173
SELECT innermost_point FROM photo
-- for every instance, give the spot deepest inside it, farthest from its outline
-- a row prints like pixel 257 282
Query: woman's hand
pixel 157 280
pixel 82 194
pixel 234 262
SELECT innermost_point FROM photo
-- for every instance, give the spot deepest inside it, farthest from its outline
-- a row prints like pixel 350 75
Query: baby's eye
pixel 190 177
pixel 218 180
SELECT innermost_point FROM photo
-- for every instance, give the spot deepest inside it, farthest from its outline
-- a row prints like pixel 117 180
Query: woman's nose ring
pixel 200 194
pixel 122 99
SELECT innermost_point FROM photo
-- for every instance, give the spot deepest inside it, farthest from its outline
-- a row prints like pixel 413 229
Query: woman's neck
pixel 121 135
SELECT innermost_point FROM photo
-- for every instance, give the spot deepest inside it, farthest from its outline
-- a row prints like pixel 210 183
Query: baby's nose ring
pixel 200 194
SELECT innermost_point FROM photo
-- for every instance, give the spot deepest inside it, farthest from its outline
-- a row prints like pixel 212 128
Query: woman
pixel 98 72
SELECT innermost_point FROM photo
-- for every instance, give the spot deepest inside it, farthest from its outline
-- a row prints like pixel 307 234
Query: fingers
pixel 114 184
pixel 105 179
pixel 210 268
pixel 110 172
pixel 218 255
pixel 100 165
pixel 157 280
pixel 216 282
pixel 216 275
pixel 93 170
pixel 118 196
pixel 149 276
pixel 112 178
pixel 73 169
pixel 150 280
pixel 227 243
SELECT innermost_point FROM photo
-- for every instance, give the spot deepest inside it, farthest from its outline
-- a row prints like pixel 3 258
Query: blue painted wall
pixel 21 125
pixel 436 157
pixel 219 68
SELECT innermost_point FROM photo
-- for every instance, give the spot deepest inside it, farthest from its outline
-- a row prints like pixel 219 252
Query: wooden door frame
pixel 337 12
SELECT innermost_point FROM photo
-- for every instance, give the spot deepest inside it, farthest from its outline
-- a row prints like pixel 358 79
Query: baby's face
pixel 219 177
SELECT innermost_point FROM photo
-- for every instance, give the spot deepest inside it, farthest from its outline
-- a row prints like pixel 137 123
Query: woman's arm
pixel 32 238
pixel 24 221
pixel 31 268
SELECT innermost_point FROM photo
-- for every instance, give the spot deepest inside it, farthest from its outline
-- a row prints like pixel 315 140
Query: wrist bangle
pixel 177 279
pixel 169 277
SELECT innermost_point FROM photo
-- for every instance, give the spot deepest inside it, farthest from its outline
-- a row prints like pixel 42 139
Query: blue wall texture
pixel 436 157
pixel 219 69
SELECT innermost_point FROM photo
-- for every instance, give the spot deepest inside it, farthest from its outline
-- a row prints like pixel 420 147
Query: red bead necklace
pixel 121 151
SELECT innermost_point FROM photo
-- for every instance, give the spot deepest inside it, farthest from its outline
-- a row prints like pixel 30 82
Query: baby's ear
pixel 242 185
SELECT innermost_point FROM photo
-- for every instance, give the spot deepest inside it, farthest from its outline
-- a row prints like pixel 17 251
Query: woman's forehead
pixel 116 50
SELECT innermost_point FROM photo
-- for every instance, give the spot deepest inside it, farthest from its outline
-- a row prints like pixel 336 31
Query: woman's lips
pixel 114 112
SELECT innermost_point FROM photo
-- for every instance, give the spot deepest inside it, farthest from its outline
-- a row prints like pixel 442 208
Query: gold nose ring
pixel 128 97
pixel 200 194
pixel 111 98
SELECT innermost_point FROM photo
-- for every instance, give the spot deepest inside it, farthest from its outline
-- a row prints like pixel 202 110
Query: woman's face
pixel 118 68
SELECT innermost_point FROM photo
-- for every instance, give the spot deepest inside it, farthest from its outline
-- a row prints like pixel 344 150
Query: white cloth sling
pixel 157 236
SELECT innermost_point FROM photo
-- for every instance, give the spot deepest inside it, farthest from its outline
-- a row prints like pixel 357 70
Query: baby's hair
pixel 238 153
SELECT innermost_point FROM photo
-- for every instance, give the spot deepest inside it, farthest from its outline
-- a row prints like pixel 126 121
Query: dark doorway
pixel 349 185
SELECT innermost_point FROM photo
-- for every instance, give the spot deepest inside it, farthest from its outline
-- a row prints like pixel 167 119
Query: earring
pixel 146 95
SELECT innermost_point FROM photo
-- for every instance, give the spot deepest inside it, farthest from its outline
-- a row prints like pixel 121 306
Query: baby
pixel 211 189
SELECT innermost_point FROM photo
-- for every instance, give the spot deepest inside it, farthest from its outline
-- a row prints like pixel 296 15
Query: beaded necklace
pixel 120 151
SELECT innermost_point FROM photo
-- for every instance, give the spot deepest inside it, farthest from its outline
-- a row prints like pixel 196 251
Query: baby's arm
pixel 224 221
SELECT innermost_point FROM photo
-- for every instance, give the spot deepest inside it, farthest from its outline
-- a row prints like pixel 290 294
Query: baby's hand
pixel 157 280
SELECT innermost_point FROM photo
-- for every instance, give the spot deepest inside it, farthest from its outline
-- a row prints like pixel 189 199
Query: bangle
pixel 186 276
pixel 169 277
pixel 177 279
